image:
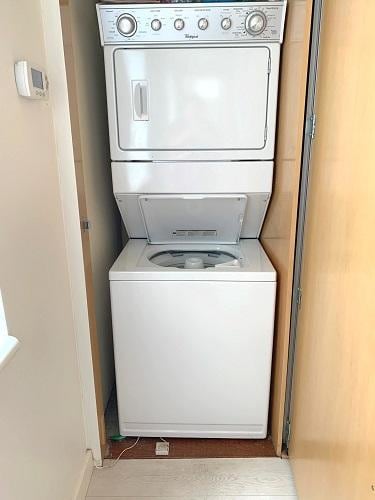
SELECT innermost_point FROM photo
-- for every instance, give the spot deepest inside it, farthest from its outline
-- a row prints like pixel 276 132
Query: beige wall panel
pixel 89 125
pixel 333 432
pixel 42 433
pixel 71 79
pixel 66 24
pixel 278 234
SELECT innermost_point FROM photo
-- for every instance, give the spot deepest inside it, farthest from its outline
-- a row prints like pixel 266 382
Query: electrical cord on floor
pixel 118 458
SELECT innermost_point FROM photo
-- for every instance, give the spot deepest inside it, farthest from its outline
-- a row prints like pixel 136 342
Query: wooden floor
pixel 195 448
pixel 209 479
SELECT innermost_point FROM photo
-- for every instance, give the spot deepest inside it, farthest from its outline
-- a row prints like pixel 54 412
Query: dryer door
pixel 180 103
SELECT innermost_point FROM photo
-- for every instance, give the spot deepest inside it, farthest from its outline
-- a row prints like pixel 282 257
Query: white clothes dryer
pixel 192 81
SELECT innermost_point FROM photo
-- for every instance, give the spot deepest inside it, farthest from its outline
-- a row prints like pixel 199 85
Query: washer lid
pixel 193 218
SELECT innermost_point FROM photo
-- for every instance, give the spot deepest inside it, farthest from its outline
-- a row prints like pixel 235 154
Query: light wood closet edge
pixel 332 447
pixel 76 137
pixel 279 230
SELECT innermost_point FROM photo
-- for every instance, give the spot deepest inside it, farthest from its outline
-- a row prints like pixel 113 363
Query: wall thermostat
pixel 31 82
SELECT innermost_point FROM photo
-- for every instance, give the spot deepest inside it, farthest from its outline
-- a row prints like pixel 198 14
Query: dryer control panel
pixel 131 24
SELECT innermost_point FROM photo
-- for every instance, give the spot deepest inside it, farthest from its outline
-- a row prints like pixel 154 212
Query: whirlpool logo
pixel 191 37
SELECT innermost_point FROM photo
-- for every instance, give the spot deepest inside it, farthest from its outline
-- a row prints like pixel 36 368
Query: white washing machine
pixel 193 304
pixel 193 329
pixel 192 97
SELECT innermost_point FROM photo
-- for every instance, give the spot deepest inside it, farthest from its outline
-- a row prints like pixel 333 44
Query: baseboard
pixel 84 477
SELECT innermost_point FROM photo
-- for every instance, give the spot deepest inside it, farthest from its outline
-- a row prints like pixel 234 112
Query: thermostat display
pixel 37 78
pixel 31 82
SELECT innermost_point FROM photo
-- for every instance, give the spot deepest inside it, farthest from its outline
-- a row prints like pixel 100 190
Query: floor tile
pixel 150 478
pixel 194 478
pixel 261 476
pixel 151 498
pixel 252 497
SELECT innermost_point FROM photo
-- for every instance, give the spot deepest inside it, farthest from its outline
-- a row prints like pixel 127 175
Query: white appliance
pixel 193 347
pixel 216 100
pixel 192 92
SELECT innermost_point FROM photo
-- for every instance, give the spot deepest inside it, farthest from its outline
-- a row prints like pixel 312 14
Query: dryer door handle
pixel 140 100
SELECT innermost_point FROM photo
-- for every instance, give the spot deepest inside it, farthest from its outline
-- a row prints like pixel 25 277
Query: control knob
pixel 226 23
pixel 255 23
pixel 155 24
pixel 203 24
pixel 179 24
pixel 127 25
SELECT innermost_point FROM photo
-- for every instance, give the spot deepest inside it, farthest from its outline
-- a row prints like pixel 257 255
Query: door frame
pixel 309 132
pixel 59 102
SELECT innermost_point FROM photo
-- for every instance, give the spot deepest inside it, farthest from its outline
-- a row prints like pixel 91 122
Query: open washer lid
pixel 193 218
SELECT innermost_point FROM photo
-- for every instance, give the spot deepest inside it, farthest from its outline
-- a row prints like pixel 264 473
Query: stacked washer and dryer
pixel 192 97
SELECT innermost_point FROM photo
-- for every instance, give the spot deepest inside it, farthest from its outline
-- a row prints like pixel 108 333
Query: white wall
pixel 93 153
pixel 42 431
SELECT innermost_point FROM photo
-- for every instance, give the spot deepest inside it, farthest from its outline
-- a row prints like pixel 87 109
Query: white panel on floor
pixel 216 478
pixel 236 497
pixel 162 498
